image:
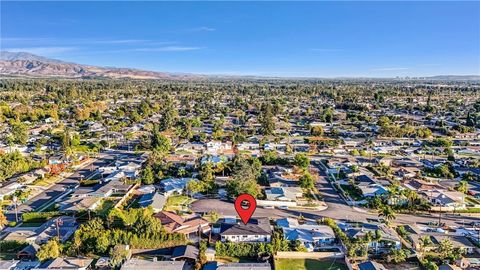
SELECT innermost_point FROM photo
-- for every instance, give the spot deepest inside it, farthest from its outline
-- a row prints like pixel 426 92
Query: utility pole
pixel 440 216
pixel 58 230
pixel 15 205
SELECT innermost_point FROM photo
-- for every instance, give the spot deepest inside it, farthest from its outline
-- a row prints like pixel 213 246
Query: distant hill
pixel 27 64
pixel 31 65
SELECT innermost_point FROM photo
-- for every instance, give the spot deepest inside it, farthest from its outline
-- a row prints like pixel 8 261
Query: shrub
pixel 39 216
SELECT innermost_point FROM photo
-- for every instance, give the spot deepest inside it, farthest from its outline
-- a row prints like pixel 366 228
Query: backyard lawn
pixel 177 202
pixel 309 264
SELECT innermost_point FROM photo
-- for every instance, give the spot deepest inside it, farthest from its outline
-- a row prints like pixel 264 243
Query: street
pixel 58 189
pixel 337 209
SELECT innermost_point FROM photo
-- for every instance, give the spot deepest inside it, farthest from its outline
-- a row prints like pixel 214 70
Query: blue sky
pixel 320 39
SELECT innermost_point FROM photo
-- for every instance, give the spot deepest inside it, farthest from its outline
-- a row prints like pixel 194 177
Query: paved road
pixel 55 191
pixel 337 209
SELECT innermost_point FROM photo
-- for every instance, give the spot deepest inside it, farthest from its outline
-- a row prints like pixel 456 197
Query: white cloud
pixel 202 29
pixel 43 51
pixel 167 49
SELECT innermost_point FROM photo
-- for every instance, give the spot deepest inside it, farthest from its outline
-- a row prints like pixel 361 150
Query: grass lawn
pixel 7 256
pixel 309 264
pixel 105 207
pixel 228 259
pixel 47 181
pixel 31 224
pixel 176 202
pixel 354 193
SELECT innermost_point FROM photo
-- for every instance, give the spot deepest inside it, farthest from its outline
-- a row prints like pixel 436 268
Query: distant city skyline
pixel 288 39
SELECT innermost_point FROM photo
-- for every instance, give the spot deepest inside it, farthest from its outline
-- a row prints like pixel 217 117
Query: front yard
pixel 353 192
pixel 310 264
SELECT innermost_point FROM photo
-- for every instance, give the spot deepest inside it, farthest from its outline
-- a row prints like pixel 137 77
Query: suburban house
pixel 29 252
pixel 9 190
pixel 62 227
pixel 284 193
pixel 371 265
pixel 310 234
pixel 154 199
pixel 458 241
pixel 89 198
pixel 389 239
pixel 66 263
pixel 194 148
pixel 186 253
pixel 174 223
pixel 445 198
pixel 153 264
pixel 172 186
pixel 256 230
pixel 75 204
pixel 252 148
pixel 219 148
pixel 8 264
pixel 364 180
pixel 372 190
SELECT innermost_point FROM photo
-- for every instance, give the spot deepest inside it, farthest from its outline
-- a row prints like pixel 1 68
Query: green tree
pixel 302 161
pixel 387 213
pixel 117 254
pixel 49 250
pixel 168 113
pixel 471 120
pixel 397 255
pixel 213 216
pixel 316 131
pixel 468 176
pixel 161 143
pixel 194 186
pixel 236 187
pixel 19 133
pixel 306 181
pixel 445 248
pixel 430 266
pixel 266 119
pixel 462 187
pixel 148 177
pixel 424 243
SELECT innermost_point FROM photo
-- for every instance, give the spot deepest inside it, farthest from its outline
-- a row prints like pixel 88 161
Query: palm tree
pixel 463 186
pixel 387 213
pixel 445 248
pixel 423 244
pixel 412 198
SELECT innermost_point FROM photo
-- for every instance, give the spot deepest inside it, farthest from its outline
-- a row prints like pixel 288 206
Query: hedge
pixel 39 216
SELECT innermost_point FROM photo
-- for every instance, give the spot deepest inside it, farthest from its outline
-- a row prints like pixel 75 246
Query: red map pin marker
pixel 245 213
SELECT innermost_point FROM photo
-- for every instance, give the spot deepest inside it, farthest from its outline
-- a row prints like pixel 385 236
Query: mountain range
pixel 31 65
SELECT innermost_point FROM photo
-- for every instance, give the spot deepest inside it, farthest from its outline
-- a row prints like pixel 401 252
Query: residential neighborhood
pixel 346 174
